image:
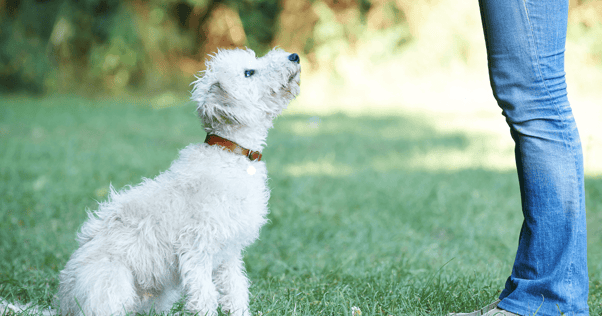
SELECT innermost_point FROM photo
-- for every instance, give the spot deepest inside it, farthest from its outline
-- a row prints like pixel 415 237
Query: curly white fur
pixel 182 233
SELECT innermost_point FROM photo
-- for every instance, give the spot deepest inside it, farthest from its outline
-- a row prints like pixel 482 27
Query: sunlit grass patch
pixel 461 144
pixel 324 167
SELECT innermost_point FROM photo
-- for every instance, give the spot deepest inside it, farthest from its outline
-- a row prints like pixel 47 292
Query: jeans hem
pixel 537 309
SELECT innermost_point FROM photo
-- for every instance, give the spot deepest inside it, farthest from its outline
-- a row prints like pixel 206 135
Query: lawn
pixel 365 212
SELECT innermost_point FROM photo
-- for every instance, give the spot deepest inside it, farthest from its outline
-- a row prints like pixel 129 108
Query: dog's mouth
pixel 292 85
pixel 295 77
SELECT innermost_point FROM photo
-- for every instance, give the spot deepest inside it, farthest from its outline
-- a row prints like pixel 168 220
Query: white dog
pixel 183 232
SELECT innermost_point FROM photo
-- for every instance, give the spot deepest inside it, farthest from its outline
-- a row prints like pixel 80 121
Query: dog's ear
pixel 200 88
pixel 219 95
pixel 214 102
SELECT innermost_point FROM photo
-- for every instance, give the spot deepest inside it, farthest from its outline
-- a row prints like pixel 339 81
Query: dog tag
pixel 251 170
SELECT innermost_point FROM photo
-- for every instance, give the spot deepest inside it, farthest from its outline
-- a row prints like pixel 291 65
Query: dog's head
pixel 237 88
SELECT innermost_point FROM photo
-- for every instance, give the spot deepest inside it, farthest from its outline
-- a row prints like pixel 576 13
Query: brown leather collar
pixel 232 146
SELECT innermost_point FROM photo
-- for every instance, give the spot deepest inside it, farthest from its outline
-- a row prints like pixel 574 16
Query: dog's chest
pixel 243 206
pixel 226 197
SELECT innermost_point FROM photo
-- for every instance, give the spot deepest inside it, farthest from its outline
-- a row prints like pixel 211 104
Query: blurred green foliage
pixel 259 20
pixel 100 46
pixel 97 46
pixel 24 31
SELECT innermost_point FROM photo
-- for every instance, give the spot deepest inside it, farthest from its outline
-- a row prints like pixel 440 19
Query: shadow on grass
pixel 355 140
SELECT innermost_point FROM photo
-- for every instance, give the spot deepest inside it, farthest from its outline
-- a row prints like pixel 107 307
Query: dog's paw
pixel 240 312
pixel 197 309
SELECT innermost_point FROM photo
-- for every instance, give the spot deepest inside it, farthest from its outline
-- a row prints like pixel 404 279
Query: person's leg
pixel 525 50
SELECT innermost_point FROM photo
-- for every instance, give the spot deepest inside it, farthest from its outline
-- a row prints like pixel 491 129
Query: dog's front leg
pixel 195 272
pixel 233 286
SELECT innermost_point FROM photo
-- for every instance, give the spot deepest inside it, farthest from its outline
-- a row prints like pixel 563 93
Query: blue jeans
pixel 525 50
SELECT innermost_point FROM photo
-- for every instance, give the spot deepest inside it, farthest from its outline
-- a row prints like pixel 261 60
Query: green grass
pixel 345 229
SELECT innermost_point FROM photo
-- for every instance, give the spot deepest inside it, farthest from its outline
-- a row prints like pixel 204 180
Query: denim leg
pixel 525 49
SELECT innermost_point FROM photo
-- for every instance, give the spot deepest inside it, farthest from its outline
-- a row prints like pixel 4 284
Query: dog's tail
pixel 6 307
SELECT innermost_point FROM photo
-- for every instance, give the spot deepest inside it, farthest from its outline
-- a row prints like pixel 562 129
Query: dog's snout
pixel 294 58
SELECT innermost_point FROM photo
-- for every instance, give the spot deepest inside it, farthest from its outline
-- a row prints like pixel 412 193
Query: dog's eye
pixel 249 73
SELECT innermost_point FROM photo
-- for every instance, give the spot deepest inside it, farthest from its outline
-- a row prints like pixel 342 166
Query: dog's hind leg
pixel 96 287
pixel 233 285
pixel 195 274
pixel 163 299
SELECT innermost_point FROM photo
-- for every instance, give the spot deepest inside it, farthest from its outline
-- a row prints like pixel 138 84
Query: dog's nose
pixel 293 58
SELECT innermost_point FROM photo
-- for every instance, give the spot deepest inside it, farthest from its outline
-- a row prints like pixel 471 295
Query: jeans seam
pixel 543 82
